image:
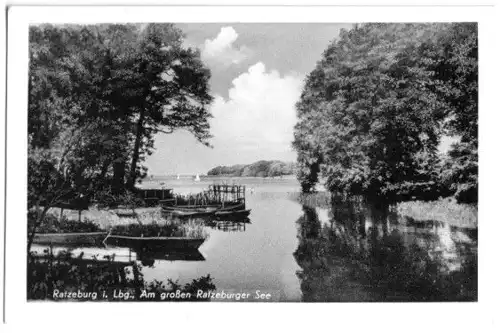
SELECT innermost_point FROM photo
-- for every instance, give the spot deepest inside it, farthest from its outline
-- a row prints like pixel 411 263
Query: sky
pixel 258 72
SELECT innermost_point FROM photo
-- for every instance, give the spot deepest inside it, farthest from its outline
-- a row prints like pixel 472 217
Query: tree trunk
pixel 118 177
pixel 39 220
pixel 135 157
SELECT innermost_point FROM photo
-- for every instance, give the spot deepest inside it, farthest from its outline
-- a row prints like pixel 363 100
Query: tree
pixel 371 109
pixel 97 96
pixel 172 85
pixel 458 74
pixel 67 138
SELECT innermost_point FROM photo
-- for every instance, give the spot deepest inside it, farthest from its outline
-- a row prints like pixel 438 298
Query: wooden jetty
pixel 217 196
pixel 223 200
pixel 71 238
pixel 227 193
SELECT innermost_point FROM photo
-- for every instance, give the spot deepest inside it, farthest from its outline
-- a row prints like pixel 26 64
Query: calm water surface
pixel 349 252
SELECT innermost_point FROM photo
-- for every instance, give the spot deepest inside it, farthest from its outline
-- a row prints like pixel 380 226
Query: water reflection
pixel 364 253
pixel 229 226
pixel 127 255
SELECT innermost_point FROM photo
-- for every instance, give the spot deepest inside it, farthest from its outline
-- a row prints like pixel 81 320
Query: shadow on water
pixel 107 274
pixel 362 252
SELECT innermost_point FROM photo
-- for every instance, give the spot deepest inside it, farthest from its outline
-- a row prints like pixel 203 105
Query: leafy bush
pixel 52 224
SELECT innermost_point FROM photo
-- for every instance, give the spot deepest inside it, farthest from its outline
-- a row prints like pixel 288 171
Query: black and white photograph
pixel 253 162
pixel 250 162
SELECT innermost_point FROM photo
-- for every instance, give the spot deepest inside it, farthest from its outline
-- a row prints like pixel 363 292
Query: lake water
pixel 346 253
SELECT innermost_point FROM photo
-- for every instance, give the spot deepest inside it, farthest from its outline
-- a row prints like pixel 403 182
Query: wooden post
pixel 61 215
pixel 79 216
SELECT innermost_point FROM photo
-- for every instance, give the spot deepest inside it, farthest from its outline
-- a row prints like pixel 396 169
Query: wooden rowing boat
pixel 74 238
pixel 170 255
pixel 204 208
pixel 237 214
pixel 180 213
pixel 232 207
pixel 171 243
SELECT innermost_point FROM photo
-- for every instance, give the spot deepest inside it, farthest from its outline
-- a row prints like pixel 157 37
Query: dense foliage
pixel 257 169
pixel 374 109
pixel 97 96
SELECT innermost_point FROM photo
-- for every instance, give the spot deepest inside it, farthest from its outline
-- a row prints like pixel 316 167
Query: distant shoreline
pixel 218 176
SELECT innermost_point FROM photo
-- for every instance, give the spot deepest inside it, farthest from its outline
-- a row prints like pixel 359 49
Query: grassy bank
pixel 444 210
pixel 149 222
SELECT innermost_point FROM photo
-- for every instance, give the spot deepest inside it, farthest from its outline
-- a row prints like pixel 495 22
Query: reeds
pixel 191 229
pixel 443 210
pixel 312 200
pixel 155 225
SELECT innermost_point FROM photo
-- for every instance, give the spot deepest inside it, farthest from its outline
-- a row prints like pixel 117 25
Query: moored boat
pixel 73 238
pixel 181 213
pixel 170 206
pixel 125 214
pixel 192 208
pixel 237 214
pixel 171 243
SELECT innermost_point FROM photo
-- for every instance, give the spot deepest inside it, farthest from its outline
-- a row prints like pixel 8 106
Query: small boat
pixel 192 208
pixel 182 213
pixel 169 205
pixel 161 254
pixel 73 238
pixel 232 214
pixel 125 214
pixel 171 243
pixel 197 178
pixel 240 205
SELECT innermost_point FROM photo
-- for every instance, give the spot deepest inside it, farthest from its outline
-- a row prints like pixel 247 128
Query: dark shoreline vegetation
pixel 66 273
pixel 257 169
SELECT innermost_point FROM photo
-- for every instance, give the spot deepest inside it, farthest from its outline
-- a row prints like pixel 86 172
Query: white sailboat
pixel 197 178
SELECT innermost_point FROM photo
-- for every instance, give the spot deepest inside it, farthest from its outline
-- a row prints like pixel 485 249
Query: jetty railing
pixel 218 195
pixel 227 193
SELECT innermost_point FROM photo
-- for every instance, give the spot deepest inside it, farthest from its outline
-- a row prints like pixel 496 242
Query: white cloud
pixel 259 114
pixel 221 50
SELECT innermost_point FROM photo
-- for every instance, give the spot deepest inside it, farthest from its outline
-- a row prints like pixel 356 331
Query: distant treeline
pixel 257 169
